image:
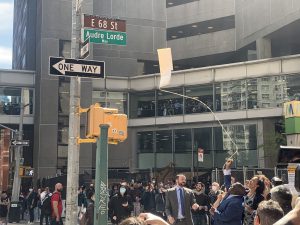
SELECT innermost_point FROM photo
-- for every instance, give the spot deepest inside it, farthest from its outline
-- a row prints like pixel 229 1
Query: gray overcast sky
pixel 6 33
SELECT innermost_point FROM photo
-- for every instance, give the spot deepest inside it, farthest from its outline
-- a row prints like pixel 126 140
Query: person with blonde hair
pixel 144 219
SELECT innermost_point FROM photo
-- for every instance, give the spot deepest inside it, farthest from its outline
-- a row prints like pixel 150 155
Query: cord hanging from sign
pixel 215 116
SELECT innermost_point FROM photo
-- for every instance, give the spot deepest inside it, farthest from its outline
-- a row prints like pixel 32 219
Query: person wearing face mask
pixel 120 206
pixel 200 215
pixel 32 204
pixel 56 205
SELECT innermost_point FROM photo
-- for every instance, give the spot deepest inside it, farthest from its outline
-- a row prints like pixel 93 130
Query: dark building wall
pixel 202 30
pixel 146 32
pixel 256 19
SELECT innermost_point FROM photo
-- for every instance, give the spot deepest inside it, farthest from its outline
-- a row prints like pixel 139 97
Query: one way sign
pixel 20 142
pixel 76 67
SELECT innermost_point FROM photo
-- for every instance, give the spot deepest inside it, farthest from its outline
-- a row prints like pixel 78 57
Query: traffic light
pixel 21 172
pixel 117 131
pixel 96 115
pixel 25 171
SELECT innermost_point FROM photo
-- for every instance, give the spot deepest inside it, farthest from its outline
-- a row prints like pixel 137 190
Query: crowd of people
pixel 41 206
pixel 259 201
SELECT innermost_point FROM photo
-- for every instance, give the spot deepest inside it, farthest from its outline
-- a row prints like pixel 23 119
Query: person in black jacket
pixel 120 206
pixel 200 215
pixel 88 217
pixel 148 198
pixel 82 203
pixel 160 201
pixel 32 203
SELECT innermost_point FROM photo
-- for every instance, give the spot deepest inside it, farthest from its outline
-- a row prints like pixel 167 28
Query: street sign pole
pixel 101 189
pixel 18 154
pixel 74 127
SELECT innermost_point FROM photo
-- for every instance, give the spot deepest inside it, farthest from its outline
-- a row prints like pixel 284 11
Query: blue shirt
pixel 180 216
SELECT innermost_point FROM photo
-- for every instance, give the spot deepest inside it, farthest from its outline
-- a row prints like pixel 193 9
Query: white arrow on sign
pixel 64 67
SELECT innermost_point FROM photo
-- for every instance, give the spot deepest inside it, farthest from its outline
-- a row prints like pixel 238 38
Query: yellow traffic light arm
pixel 86 140
pixel 83 110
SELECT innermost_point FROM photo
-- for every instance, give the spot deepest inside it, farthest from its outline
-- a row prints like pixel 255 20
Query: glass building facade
pixel 158 146
pixel 167 129
pixel 10 100
pixel 263 92
pixel 180 146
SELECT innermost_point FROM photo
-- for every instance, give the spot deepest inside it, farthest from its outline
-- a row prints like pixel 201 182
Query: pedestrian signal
pixel 96 115
pixel 26 171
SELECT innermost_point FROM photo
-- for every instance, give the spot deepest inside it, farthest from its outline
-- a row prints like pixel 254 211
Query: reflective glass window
pixel 244 137
pixel 266 92
pixel 203 93
pixel 10 101
pixel 117 100
pixel 169 104
pixel 203 138
pixel 292 89
pixel 233 95
pixel 63 97
pixel 164 141
pixel 145 142
pixel 142 104
pixel 217 90
pixel 183 140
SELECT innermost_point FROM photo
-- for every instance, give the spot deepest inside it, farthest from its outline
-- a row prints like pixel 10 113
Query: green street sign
pixel 104 36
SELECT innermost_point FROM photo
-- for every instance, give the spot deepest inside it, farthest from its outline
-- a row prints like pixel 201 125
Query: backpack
pixel 46 204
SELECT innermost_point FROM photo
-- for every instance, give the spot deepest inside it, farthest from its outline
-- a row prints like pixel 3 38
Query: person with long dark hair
pixel 252 199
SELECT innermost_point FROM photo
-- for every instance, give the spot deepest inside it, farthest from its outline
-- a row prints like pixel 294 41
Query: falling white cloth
pixel 165 66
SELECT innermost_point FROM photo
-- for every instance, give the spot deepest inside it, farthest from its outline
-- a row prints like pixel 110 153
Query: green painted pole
pixel 101 189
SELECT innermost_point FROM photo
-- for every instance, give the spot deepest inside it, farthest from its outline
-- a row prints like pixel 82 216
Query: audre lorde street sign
pixel 104 36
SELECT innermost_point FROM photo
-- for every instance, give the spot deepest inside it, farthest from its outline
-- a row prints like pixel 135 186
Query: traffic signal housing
pixel 96 115
pixel 25 171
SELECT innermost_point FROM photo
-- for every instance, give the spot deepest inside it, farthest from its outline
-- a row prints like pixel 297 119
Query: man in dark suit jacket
pixel 179 201
pixel 230 210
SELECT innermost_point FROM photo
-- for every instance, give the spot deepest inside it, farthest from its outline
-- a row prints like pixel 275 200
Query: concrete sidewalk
pixel 23 222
